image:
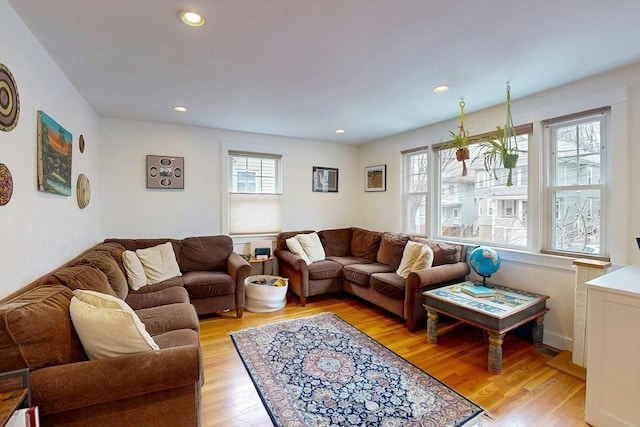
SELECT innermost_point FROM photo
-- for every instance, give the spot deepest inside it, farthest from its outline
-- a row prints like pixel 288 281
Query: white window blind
pixel 254 193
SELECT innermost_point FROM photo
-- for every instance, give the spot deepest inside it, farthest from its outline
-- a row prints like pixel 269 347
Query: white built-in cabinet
pixel 613 349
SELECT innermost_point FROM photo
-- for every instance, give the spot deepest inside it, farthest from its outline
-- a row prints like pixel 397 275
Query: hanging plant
pixel 460 141
pixel 502 150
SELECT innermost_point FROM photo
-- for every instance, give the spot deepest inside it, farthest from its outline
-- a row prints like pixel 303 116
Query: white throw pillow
pixel 159 263
pixel 312 246
pixel 135 271
pixel 107 326
pixel 296 248
pixel 424 260
pixel 410 254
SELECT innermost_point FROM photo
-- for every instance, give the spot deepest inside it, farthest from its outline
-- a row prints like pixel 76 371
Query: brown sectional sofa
pixel 151 388
pixel 364 263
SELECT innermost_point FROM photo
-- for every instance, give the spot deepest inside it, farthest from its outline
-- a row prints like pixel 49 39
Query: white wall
pixel 39 231
pixel 548 275
pixel 129 209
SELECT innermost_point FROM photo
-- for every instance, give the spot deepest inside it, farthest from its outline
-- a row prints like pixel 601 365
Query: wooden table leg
pixel 538 330
pixel 495 352
pixel 432 326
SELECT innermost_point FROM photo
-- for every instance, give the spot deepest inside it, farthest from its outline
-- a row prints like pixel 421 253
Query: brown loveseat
pixel 151 388
pixel 364 263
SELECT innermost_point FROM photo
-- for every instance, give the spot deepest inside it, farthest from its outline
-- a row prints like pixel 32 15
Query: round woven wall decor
pixel 9 100
pixel 6 184
pixel 81 144
pixel 83 191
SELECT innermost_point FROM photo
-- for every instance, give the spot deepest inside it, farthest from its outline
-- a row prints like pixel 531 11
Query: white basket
pixel 262 298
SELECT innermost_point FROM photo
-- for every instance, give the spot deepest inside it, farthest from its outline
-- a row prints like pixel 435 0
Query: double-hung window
pixel 254 193
pixel 577 182
pixel 479 206
pixel 415 191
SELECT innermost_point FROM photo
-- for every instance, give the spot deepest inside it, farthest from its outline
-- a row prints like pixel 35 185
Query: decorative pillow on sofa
pixel 312 246
pixel 135 271
pixel 412 251
pixel 424 259
pixel 150 265
pixel 159 263
pixel 296 248
pixel 107 326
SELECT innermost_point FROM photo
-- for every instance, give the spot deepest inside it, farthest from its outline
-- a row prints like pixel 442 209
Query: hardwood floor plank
pixel 527 393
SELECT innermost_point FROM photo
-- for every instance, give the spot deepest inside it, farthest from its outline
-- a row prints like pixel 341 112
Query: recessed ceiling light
pixel 340 131
pixel 179 109
pixel 192 18
pixel 441 89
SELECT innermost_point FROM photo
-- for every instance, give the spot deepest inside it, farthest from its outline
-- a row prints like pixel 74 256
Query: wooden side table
pixel 262 263
pixel 17 398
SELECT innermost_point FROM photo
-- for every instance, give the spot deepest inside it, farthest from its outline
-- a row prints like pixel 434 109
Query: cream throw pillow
pixel 312 246
pixel 296 248
pixel 412 251
pixel 107 326
pixel 159 263
pixel 424 259
pixel 135 271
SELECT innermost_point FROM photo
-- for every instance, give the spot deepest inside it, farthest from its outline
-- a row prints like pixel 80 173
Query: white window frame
pixel 406 187
pixel 603 187
pixel 227 148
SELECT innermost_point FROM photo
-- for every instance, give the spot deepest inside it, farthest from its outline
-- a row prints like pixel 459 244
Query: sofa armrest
pixel 427 278
pixel 239 268
pixel 77 385
pixel 292 259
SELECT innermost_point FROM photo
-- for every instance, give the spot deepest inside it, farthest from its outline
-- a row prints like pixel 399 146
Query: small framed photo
pixel 375 178
pixel 325 180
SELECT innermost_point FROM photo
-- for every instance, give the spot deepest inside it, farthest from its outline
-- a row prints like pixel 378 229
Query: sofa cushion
pixel 159 263
pixel 172 295
pixel 205 253
pixel 114 249
pixel 172 317
pixel 443 253
pixel 389 284
pixel 104 261
pixel 36 330
pixel 365 243
pixel 391 248
pixel 107 326
pixel 325 270
pixel 424 260
pixel 135 244
pixel 348 260
pixel 173 282
pixel 202 284
pixel 296 248
pixel 360 273
pixel 80 277
pixel 312 246
pixel 336 242
pixel 283 236
pixel 136 277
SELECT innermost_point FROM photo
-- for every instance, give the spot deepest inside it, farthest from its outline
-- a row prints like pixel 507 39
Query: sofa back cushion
pixel 135 244
pixel 36 330
pixel 206 253
pixel 83 276
pixel 444 253
pixel 104 261
pixel 391 248
pixel 336 242
pixel 365 243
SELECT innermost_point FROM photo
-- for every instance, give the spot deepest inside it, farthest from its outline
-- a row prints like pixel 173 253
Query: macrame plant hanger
pixel 463 152
pixel 511 155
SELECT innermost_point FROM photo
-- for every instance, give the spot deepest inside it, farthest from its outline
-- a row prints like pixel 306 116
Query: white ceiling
pixel 304 68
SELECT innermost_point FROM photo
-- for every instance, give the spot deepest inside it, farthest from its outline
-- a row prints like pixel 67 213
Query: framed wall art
pixel 325 180
pixel 165 172
pixel 375 178
pixel 54 156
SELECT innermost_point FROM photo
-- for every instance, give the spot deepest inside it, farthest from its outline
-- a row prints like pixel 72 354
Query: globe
pixel 484 261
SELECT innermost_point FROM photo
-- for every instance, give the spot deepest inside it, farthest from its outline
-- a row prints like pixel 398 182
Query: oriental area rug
pixel 321 371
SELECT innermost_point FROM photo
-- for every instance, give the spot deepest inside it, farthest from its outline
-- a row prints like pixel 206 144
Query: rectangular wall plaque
pixel 165 171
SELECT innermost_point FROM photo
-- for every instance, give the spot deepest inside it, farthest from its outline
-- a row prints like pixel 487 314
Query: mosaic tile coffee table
pixel 498 314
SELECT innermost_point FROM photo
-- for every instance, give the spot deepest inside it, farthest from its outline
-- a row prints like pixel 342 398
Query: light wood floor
pixel 527 393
